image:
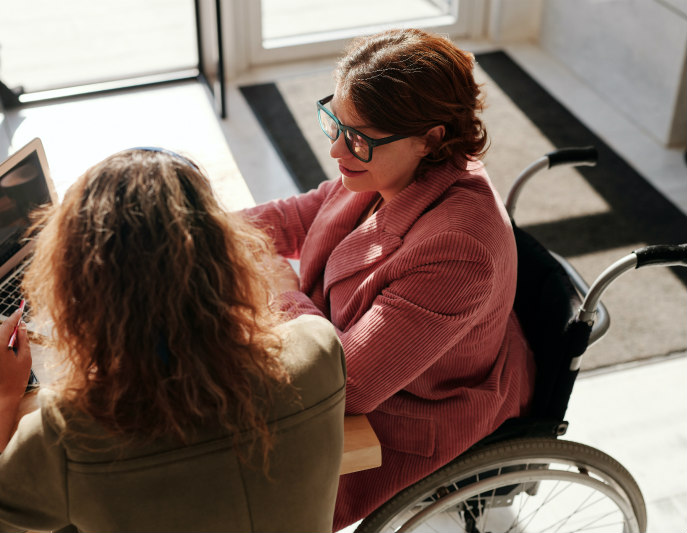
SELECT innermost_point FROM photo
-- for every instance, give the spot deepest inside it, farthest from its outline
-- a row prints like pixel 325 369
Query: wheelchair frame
pixel 492 485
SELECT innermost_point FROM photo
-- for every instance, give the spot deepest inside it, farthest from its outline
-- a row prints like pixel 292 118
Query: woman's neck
pixel 376 205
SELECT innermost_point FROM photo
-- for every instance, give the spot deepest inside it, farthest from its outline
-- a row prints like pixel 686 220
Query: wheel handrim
pixel 604 501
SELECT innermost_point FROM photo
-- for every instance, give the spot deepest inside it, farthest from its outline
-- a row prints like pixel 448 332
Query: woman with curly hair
pixel 411 255
pixel 184 405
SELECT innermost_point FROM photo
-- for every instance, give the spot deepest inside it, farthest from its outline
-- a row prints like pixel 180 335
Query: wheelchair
pixel 523 477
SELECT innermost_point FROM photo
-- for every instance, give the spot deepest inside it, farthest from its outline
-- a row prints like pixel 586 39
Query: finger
pixel 23 348
pixel 7 327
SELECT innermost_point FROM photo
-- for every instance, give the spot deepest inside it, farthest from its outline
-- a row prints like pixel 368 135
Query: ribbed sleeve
pixel 416 319
pixel 288 221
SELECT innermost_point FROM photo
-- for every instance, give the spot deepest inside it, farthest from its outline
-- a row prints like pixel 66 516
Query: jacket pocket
pixel 405 434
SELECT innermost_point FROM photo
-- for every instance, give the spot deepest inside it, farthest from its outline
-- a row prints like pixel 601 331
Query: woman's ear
pixel 433 138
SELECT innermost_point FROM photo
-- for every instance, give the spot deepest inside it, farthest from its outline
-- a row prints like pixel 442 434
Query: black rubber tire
pixel 513 455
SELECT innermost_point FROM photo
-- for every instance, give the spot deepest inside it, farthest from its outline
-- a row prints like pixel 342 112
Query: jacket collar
pixel 383 232
pixel 409 204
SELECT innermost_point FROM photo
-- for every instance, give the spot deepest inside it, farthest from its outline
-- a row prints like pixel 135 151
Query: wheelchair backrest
pixel 546 303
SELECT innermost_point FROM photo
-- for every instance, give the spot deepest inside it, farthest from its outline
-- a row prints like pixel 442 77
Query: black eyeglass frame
pixel 371 143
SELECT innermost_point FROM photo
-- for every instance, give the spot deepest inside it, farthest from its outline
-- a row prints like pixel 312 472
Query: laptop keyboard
pixel 10 292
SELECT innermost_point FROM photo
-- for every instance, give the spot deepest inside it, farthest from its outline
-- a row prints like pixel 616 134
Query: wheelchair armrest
pixel 602 320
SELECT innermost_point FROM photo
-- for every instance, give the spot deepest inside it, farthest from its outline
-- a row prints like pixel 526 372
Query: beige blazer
pixel 47 483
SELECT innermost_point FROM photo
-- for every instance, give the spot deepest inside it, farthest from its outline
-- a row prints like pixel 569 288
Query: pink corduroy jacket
pixel 421 295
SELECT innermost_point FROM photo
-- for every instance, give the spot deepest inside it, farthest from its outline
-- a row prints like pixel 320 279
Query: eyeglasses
pixel 358 143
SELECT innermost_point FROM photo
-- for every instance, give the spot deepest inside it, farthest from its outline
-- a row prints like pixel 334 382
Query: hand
pixel 15 368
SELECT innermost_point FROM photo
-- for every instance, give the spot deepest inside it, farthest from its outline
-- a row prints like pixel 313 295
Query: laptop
pixel 25 184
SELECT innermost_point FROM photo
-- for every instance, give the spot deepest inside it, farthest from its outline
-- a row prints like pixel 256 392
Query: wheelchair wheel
pixel 530 484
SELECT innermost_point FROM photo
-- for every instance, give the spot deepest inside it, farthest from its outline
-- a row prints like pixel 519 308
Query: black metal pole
pixel 199 41
pixel 220 60
pixel 8 97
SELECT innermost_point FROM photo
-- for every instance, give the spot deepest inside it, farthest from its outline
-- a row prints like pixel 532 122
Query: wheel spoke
pixel 491 504
pixel 595 525
pixel 552 495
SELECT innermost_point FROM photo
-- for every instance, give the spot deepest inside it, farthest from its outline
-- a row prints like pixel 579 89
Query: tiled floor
pixel 80 132
pixel 637 414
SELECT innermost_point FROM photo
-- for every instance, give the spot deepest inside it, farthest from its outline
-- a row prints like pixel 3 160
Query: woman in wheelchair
pixel 411 255
pixel 184 405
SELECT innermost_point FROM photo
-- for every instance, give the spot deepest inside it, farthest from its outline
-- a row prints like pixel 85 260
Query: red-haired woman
pixel 411 255
pixel 184 406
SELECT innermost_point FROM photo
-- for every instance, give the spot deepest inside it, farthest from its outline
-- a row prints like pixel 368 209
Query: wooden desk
pixel 361 446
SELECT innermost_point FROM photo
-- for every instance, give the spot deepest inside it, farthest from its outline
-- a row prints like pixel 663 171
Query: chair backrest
pixel 546 303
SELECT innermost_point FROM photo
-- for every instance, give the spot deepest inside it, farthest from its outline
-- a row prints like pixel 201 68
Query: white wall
pixel 514 21
pixel 632 52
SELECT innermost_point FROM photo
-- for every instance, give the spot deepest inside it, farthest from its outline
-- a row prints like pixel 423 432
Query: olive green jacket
pixel 48 483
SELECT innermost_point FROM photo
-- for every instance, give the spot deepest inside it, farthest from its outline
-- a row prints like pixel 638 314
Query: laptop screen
pixel 24 185
pixel 22 188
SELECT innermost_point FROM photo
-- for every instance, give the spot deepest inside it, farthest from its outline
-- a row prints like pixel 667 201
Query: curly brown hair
pixel 408 81
pixel 159 301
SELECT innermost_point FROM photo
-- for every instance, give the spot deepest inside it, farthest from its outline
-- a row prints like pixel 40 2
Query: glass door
pixel 298 29
pixel 49 46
